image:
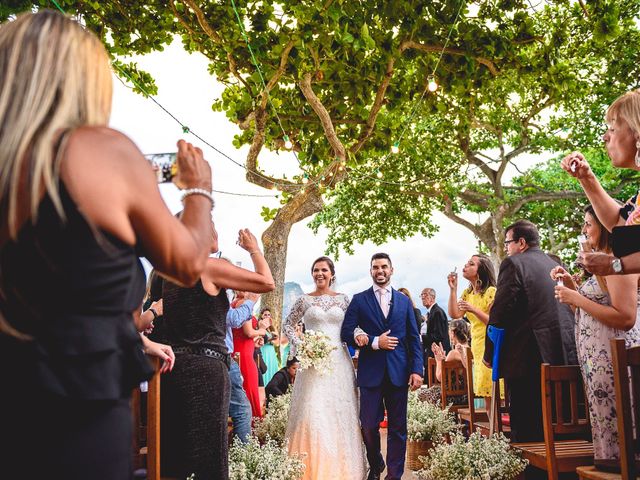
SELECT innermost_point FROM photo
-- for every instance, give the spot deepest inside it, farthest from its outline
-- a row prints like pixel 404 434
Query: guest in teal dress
pixel 268 350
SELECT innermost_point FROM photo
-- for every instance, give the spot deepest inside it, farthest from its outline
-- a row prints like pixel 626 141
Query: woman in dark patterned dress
pixel 195 395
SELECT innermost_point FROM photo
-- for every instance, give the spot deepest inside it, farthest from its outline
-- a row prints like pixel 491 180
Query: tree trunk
pixel 275 240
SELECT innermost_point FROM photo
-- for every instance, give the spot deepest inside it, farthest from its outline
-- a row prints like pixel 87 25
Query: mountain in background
pixel 292 291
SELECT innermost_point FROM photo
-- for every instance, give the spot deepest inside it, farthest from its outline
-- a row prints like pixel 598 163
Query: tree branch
pixel 452 51
pixel 323 115
pixel 448 211
pixel 202 20
pixel 276 76
pixel 375 108
pixel 512 209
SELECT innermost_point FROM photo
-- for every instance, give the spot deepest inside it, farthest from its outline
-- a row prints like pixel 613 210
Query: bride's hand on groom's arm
pixel 362 340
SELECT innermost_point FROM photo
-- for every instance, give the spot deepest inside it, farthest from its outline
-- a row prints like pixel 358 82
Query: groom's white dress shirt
pixel 383 294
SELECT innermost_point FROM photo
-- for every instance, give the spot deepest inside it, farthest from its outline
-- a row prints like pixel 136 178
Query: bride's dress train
pixel 324 423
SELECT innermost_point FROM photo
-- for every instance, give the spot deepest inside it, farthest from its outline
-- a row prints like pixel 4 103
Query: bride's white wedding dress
pixel 324 423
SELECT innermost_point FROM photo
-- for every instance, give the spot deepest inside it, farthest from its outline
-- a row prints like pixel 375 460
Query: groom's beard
pixel 382 283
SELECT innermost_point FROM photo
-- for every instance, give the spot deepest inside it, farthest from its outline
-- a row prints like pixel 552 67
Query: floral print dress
pixel 594 355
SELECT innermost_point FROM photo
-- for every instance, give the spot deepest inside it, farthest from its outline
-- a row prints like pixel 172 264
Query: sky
pixel 187 90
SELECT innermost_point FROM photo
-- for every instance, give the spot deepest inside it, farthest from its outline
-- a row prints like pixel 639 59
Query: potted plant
pixel 267 461
pixel 427 425
pixel 477 458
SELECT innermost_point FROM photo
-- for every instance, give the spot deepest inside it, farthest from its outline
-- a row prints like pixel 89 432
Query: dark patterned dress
pixel 594 355
pixel 195 395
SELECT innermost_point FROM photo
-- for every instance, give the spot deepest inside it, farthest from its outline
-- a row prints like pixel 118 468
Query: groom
pixel 381 322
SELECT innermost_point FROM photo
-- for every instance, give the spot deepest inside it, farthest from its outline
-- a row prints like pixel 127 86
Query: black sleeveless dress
pixel 195 395
pixel 65 392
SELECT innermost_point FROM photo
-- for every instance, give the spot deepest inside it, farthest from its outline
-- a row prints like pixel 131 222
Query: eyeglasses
pixel 507 242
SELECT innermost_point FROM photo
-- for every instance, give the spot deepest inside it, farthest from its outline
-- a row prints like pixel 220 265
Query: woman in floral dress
pixel 605 308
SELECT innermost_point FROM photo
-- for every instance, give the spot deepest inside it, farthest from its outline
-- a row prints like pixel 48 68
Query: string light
pixel 395 148
pixel 432 86
pixel 379 174
pixel 287 143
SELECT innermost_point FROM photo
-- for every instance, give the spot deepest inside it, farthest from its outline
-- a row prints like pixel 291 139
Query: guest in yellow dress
pixel 475 303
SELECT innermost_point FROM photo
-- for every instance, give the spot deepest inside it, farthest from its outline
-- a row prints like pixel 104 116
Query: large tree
pixel 550 98
pixel 344 81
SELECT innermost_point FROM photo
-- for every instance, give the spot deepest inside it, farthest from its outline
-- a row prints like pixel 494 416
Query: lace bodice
pixel 323 313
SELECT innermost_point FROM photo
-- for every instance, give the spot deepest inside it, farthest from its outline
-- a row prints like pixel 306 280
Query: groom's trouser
pixel 373 401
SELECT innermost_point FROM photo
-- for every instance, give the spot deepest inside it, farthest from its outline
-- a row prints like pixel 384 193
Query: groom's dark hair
pixel 377 256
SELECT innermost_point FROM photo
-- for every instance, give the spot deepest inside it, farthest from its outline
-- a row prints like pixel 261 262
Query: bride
pixel 324 426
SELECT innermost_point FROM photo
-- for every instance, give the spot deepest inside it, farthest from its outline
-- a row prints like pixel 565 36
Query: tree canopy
pixel 345 81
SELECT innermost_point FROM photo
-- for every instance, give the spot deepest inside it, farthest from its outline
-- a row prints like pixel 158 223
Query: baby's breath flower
pixel 426 421
pixel 267 461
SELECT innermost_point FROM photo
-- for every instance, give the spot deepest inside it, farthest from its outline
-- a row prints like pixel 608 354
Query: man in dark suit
pixel 282 380
pixel 382 323
pixel 526 308
pixel 437 324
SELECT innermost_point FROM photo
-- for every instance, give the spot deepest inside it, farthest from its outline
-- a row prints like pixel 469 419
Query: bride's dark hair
pixel 329 262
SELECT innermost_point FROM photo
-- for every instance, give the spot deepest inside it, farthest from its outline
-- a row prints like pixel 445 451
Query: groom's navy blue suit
pixel 383 375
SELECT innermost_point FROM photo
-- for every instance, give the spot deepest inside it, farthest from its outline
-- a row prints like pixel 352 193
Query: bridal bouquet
pixel 315 351
pixel 478 458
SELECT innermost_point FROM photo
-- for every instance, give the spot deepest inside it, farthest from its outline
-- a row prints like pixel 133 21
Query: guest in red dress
pixel 243 343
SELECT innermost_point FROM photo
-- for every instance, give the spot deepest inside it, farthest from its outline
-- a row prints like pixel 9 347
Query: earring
pixel 637 159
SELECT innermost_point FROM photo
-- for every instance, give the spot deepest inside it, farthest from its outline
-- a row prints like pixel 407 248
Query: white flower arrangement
pixel 315 351
pixel 477 458
pixel 269 461
pixel 426 421
pixel 273 425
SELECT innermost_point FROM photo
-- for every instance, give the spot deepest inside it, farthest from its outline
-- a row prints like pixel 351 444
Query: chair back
pixel 453 381
pixel 626 375
pixel 150 432
pixel 431 371
pixel 470 395
pixel 563 409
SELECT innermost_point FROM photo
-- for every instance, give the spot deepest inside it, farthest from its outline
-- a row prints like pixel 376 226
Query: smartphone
pixel 164 164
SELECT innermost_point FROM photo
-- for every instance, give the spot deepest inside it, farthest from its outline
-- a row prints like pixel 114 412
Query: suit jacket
pixel 364 311
pixel 525 306
pixel 437 329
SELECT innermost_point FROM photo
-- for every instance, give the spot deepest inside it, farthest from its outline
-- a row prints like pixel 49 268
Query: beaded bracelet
pixel 198 191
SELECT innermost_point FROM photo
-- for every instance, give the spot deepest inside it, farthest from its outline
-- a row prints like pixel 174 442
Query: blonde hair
pixel 627 107
pixel 54 77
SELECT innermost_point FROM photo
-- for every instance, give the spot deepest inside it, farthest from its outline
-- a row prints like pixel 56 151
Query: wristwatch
pixel 616 265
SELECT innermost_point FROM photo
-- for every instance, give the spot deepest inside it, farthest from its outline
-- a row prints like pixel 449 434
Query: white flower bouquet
pixel 426 421
pixel 273 425
pixel 315 351
pixel 269 461
pixel 477 458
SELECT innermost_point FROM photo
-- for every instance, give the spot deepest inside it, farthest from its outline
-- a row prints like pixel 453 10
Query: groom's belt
pixel 205 351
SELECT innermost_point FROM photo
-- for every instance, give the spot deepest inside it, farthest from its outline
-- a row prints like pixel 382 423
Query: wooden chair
pixel 453 383
pixel 564 455
pixel 431 371
pixel 150 452
pixel 626 377
pixel 470 414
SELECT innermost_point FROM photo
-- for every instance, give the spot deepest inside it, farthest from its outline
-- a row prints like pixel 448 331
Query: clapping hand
pixel 438 351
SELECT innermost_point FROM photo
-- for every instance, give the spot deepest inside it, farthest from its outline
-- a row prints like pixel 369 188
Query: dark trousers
pixel 373 401
pixel 525 407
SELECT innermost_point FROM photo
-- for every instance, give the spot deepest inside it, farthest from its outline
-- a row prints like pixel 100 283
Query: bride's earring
pixel 637 159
